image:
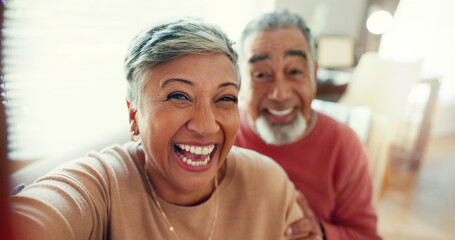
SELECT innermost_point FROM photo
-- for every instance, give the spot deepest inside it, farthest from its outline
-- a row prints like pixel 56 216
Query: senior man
pixel 324 158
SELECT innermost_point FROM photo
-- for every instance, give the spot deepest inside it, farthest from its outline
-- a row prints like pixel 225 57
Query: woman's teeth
pixel 192 162
pixel 280 113
pixel 197 150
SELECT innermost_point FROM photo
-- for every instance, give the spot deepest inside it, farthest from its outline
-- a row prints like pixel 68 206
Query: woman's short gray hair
pixel 169 40
pixel 276 20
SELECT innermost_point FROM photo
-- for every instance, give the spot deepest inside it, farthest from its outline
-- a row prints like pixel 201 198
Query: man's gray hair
pixel 276 20
pixel 167 41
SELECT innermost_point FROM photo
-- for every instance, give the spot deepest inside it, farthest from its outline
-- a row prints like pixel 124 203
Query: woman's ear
pixel 133 122
pixel 131 111
pixel 132 117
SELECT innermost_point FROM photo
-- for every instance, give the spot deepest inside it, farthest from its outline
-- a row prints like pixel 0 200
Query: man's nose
pixel 280 89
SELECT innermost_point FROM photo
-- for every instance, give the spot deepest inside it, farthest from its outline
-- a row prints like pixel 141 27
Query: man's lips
pixel 280 116
pixel 280 113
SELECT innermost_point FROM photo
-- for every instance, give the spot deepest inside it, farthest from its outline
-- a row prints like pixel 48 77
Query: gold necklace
pixel 171 228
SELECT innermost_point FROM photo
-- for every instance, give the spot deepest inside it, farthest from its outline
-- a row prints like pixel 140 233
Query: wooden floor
pixel 420 204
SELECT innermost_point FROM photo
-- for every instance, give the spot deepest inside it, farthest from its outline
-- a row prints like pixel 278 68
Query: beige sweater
pixel 106 196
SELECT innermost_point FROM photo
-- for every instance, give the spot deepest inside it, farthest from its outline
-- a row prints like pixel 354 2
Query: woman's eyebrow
pixel 227 84
pixel 168 81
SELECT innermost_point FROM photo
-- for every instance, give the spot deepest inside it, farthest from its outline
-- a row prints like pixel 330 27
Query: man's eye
pixel 296 71
pixel 261 75
pixel 179 96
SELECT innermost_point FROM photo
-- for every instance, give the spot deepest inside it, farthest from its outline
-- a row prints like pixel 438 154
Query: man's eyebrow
pixel 168 81
pixel 299 53
pixel 256 58
pixel 226 84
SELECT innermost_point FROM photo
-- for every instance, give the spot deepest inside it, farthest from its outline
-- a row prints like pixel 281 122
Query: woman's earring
pixel 134 136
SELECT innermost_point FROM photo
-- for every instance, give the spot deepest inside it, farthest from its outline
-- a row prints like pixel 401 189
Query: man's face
pixel 280 81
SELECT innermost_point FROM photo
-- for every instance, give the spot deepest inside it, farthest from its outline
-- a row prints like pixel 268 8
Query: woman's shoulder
pixel 258 177
pixel 116 156
pixel 113 154
pixel 251 157
pixel 96 166
pixel 254 165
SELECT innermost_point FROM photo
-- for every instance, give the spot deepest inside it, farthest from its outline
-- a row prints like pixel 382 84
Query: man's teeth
pixel 282 112
pixel 196 150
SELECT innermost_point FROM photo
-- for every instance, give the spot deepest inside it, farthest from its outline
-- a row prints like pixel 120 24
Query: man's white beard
pixel 278 134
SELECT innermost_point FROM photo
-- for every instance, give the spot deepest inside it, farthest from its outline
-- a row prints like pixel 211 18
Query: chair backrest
pixel 385 87
pixel 382 85
pixel 414 128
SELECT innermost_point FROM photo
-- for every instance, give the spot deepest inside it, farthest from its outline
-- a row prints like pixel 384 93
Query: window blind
pixel 63 62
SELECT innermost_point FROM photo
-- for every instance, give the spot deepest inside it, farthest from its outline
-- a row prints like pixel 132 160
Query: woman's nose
pixel 203 121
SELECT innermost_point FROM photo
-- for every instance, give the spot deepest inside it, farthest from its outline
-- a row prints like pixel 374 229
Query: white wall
pixel 329 17
pixel 422 29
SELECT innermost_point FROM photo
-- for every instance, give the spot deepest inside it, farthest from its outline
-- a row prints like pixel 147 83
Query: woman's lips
pixel 199 150
pixel 195 157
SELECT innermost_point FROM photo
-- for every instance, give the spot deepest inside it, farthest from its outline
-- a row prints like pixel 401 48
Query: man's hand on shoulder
pixel 308 227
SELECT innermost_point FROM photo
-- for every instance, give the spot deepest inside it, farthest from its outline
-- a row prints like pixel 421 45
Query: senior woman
pixel 180 177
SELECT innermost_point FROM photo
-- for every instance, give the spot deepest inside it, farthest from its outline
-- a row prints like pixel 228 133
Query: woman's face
pixel 188 120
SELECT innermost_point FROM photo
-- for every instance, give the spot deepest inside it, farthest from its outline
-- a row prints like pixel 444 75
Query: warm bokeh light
pixel 379 22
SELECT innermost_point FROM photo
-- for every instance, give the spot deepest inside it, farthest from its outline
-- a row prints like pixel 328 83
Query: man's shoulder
pixel 327 120
pixel 332 126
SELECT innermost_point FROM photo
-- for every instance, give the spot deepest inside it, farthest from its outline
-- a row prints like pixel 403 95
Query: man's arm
pixel 311 228
pixel 353 216
pixel 308 227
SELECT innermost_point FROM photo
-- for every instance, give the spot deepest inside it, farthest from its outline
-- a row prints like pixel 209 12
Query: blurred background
pixel 386 69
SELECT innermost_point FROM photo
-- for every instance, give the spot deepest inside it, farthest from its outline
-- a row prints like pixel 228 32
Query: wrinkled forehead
pixel 194 70
pixel 275 42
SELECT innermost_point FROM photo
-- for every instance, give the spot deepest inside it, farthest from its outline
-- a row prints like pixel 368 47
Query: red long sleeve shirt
pixel 329 166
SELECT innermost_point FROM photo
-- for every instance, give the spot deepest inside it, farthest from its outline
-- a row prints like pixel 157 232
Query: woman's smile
pixel 195 157
pixel 188 120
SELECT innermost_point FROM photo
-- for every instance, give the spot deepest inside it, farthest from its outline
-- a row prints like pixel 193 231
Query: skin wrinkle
pixel 186 102
pixel 275 52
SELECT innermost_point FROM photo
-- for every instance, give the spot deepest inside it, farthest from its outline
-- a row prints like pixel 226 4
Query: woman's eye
pixel 178 96
pixel 228 99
